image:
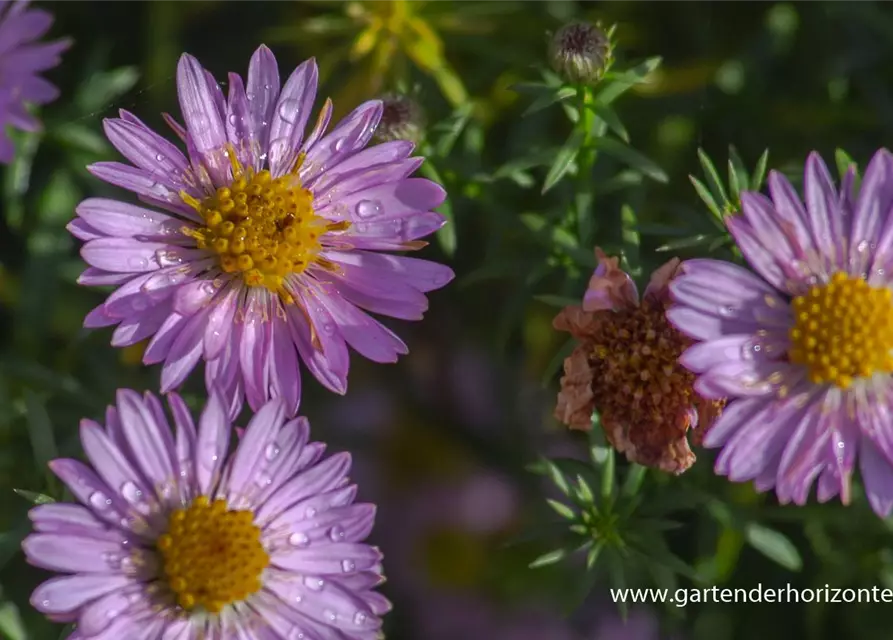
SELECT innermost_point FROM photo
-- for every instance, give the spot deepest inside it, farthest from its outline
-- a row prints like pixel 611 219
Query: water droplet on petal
pixel 271 451
pixel 348 565
pixel 100 501
pixel 267 87
pixel 135 262
pixel 249 95
pixel 330 615
pixel 337 533
pixel 310 512
pixel 263 480
pixel 288 110
pixel 368 208
pixel 299 539
pixel 398 227
pixel 131 493
pixel 314 583
pixel 159 157
pixel 359 618
pixel 328 328
pixel 339 144
pixel 726 310
pixel 296 634
pixel 233 119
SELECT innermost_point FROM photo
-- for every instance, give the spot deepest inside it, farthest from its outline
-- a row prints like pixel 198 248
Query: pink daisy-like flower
pixel 174 538
pixel 803 348
pixel 268 249
pixel 21 60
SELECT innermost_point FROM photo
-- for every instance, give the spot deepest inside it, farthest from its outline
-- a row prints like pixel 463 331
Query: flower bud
pixel 401 119
pixel 580 52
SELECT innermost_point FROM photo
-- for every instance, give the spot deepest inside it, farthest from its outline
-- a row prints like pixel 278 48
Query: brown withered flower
pixel 626 368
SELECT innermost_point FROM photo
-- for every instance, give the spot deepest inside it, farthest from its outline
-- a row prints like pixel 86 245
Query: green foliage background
pixel 790 77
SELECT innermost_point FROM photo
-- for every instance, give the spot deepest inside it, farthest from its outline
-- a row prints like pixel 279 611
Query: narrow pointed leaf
pixel 548 558
pixel 738 179
pixel 843 161
pixel 564 159
pixel 633 158
pixel 561 509
pixel 548 99
pixel 713 179
pixel 774 545
pixel 759 172
pixel 611 119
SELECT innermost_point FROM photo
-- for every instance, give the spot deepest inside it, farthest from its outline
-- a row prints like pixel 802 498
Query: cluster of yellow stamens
pixel 843 330
pixel 261 227
pixel 212 557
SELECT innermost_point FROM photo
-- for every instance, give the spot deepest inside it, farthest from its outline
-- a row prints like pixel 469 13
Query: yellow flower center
pixel 212 557
pixel 843 330
pixel 262 228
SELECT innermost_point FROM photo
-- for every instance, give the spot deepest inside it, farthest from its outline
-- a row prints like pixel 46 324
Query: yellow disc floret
pixel 212 557
pixel 843 330
pixel 262 228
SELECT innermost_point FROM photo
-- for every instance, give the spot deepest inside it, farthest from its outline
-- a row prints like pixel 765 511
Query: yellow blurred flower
pixel 380 39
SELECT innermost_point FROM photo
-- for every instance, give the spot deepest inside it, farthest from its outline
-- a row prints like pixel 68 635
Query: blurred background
pixel 441 439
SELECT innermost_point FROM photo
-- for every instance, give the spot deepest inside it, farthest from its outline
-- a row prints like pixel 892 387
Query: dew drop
pixel 330 615
pixel 271 451
pixel 263 480
pixel 337 533
pixel 368 208
pixel 314 584
pixel 159 157
pixel 726 310
pixel 348 565
pixel 131 493
pixel 862 247
pixel 100 501
pixel 288 110
pixel 310 512
pixel 299 539
pixel 249 95
pixel 359 618
pixel 339 144
pixel 267 87
pixel 233 119
pixel 135 262
pixel 296 634
pixel 398 227
pixel 328 328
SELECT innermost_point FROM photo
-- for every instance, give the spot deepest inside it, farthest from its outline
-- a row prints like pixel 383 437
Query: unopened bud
pixel 401 119
pixel 580 52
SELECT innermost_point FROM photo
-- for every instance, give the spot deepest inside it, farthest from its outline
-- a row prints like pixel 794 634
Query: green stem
pixel 584 195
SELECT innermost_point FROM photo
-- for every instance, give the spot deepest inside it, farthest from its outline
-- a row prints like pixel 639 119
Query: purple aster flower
pixel 21 60
pixel 803 348
pixel 176 539
pixel 262 246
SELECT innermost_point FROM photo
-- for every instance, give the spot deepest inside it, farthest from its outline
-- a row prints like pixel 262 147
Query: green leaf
pixel 716 186
pixel 774 545
pixel 40 431
pixel 451 129
pixel 608 475
pixel 11 625
pixel 446 235
pixel 34 497
pixel 557 301
pixel 548 99
pixel 561 509
pixel 634 476
pixel 564 159
pixel 594 552
pixel 557 360
pixel 548 558
pixel 686 243
pixel 104 87
pixel 843 161
pixel 633 158
pixel 81 137
pixel 610 118
pixel 759 172
pixel 615 84
pixel 738 179
pixel 629 230
pixel 706 197
pixel 584 491
pixel 558 478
